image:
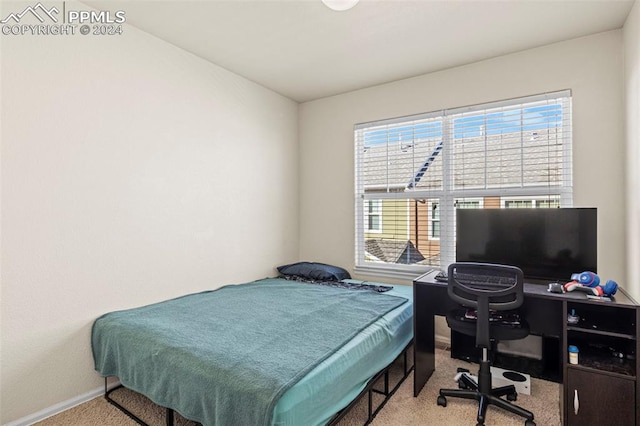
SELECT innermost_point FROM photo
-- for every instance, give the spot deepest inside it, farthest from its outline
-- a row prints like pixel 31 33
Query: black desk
pixel 546 314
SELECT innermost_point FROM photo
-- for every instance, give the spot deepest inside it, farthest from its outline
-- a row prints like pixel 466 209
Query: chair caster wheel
pixel 529 423
pixel 461 370
pixel 442 401
pixel 512 397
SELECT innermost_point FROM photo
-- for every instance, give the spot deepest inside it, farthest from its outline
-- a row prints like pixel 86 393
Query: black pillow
pixel 314 271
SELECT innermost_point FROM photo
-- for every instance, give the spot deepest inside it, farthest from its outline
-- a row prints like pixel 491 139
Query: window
pixel 519 203
pixel 412 173
pixel 373 215
pixel 469 204
pixel 434 220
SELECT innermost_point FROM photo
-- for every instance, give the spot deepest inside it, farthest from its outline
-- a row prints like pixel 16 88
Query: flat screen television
pixel 548 244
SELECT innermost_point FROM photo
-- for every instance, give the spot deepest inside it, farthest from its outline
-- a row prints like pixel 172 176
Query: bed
pixel 269 352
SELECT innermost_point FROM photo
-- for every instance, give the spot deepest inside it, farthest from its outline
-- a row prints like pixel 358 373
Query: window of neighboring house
pixel 528 203
pixel 507 154
pixel 518 204
pixel 469 204
pixel 434 219
pixel 373 215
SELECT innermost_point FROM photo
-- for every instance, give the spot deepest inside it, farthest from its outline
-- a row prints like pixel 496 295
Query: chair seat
pixel 498 330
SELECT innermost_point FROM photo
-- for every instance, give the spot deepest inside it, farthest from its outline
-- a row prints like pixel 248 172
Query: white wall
pixel 131 172
pixel 631 33
pixel 591 67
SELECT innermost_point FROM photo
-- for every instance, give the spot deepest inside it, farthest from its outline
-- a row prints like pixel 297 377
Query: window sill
pixel 396 274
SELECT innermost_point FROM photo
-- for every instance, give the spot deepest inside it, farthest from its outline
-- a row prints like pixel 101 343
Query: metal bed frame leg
pixel 405 363
pixel 370 389
pixel 107 395
pixel 169 417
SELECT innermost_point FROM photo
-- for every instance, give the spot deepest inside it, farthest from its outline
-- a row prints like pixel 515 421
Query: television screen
pixel 548 244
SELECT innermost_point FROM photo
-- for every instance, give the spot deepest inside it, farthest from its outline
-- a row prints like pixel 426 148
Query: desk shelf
pixel 607 338
pixel 605 362
pixel 595 331
pixel 604 319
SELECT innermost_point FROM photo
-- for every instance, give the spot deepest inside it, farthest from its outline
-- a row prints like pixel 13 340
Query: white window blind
pixel 417 170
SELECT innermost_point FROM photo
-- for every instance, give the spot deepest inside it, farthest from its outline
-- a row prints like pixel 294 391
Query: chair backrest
pixel 485 287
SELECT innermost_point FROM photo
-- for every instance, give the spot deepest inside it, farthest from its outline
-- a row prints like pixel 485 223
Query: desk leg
pixel 424 336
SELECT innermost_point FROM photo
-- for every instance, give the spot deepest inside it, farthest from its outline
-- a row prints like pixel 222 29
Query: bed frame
pixel 369 390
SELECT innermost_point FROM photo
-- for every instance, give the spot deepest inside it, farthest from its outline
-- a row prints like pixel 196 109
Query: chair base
pixel 469 389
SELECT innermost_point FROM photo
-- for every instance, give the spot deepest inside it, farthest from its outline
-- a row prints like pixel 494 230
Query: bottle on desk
pixel 573 354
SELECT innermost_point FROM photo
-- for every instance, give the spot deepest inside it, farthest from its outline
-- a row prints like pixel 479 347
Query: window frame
pixel 448 195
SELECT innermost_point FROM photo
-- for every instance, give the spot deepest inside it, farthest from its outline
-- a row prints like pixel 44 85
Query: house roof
pixel 491 160
pixel 393 251
pixel 394 166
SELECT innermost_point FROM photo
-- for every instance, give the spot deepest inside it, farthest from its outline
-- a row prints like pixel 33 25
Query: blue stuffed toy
pixel 590 282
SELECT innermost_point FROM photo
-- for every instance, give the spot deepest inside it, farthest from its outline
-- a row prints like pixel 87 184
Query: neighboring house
pixel 412 225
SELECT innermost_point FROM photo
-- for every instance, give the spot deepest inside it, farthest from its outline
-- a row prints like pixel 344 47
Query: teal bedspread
pixel 225 357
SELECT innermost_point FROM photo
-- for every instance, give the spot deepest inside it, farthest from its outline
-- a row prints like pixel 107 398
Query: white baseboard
pixel 442 341
pixel 59 408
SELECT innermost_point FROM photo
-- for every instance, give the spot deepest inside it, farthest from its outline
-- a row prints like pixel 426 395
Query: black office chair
pixel 481 288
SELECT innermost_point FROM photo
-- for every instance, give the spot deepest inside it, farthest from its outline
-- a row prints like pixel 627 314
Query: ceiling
pixel 305 51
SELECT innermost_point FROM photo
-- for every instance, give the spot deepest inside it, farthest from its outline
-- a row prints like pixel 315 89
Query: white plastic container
pixel 573 354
